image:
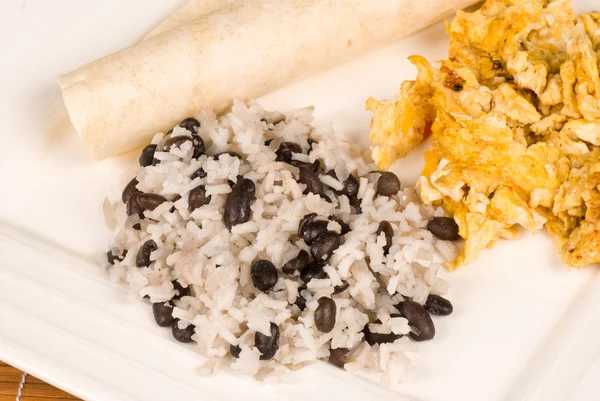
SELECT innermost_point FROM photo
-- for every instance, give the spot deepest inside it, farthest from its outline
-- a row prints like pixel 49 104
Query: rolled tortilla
pixel 241 50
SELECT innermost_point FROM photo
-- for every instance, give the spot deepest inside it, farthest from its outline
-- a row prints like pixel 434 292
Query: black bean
pixel 190 124
pixel 350 185
pixel 312 230
pixel 267 345
pixel 264 275
pixel 444 228
pixel 235 351
pixel 147 156
pixel 300 301
pixel 286 150
pixel 311 180
pixel 230 153
pixel 180 291
pixel 323 246
pixel 163 313
pixel 237 206
pixel 388 184
pixel 198 198
pixel 314 166
pixel 327 198
pixel 313 270
pixel 304 221
pixel 175 142
pixel 143 256
pixel 345 228
pixel 182 335
pixel 199 148
pixel 378 338
pixel 355 203
pixel 325 314
pixel 339 356
pixel 387 229
pixel 112 258
pixel 129 190
pixel 149 201
pixel 438 305
pixel 422 327
pixel 294 266
pixel 133 206
pixel 200 173
pixel 338 289
pixel 311 142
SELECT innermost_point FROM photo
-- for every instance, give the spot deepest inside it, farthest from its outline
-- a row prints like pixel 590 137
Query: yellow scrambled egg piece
pixel 514 115
pixel 397 127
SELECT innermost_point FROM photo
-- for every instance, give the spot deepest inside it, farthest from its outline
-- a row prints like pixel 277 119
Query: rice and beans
pixel 271 243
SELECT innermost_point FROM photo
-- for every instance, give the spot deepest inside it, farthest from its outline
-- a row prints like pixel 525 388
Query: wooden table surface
pixel 18 386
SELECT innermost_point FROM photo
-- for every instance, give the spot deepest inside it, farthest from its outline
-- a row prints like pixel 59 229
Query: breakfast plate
pixel 524 325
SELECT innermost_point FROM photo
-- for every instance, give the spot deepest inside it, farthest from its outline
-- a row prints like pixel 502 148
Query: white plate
pixel 525 326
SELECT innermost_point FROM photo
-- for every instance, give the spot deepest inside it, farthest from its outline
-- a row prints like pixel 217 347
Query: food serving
pixel 514 119
pixel 273 243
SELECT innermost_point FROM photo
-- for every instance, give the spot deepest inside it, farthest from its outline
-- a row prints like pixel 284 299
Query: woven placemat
pixel 19 386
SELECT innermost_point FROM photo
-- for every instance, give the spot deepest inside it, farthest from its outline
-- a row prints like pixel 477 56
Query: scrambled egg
pixel 514 118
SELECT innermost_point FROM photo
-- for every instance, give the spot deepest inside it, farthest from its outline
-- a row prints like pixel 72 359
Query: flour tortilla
pixel 243 49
